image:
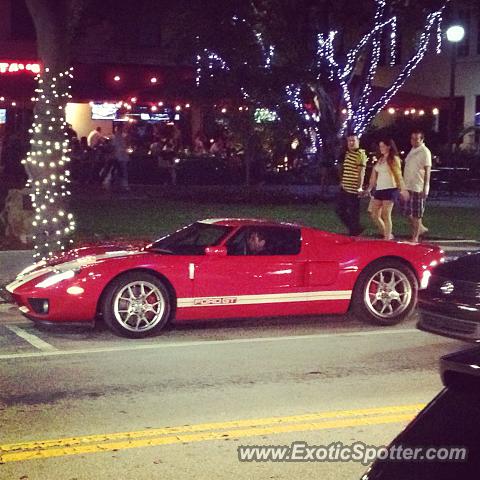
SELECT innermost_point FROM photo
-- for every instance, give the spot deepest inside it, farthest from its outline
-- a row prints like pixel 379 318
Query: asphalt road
pixel 84 404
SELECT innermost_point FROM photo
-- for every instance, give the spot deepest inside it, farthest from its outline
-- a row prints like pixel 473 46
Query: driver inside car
pixel 256 243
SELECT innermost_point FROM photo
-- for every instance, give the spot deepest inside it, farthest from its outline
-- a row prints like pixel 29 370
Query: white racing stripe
pixel 19 281
pixel 229 300
pixel 199 343
pixel 32 339
pixel 70 265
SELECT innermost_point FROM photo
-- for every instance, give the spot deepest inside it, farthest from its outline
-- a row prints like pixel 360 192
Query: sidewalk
pixel 309 193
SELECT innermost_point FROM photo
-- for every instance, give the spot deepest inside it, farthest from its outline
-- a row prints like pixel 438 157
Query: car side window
pixel 192 240
pixel 262 240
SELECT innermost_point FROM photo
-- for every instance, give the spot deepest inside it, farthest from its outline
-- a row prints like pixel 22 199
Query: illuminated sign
pixel 265 115
pixel 15 67
pixel 104 111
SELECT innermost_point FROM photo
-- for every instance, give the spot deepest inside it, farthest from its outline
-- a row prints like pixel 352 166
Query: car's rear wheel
pixel 136 305
pixel 385 293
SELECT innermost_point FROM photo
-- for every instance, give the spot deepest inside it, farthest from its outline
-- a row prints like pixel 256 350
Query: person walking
pixel 416 175
pixel 386 179
pixel 351 185
pixel 122 158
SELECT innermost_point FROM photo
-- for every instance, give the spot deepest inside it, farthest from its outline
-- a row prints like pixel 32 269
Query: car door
pixel 248 283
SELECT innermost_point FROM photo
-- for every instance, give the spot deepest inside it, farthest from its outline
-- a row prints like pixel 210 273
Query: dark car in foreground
pixel 447 430
pixel 450 306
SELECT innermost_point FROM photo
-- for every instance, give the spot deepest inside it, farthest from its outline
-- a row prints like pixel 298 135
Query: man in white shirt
pixel 95 137
pixel 416 175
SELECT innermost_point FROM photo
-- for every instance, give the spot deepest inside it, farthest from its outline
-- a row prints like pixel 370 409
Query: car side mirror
pixel 216 251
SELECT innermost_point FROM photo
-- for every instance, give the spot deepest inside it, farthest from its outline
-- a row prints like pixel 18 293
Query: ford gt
pixel 209 270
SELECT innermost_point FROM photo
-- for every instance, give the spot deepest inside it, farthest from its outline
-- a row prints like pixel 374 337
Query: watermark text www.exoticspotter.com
pixel 355 452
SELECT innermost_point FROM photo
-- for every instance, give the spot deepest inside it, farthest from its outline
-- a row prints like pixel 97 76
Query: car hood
pixel 80 257
pixel 465 268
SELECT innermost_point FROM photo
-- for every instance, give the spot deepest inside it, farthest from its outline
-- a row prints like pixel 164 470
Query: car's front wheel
pixel 385 292
pixel 136 305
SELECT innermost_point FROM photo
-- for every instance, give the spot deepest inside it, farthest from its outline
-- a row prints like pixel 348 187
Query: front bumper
pixel 448 326
pixel 53 304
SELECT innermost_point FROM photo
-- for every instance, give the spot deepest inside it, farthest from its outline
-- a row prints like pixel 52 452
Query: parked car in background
pixel 227 268
pixel 450 306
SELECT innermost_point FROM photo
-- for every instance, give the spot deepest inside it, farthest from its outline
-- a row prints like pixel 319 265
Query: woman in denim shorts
pixel 386 179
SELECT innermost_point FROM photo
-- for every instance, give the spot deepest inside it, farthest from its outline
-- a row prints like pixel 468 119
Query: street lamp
pixel 455 34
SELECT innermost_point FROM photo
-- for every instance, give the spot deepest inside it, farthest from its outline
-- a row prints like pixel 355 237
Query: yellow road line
pixel 201 437
pixel 153 432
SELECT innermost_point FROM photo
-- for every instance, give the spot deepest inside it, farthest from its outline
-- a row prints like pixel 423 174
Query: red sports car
pixel 224 268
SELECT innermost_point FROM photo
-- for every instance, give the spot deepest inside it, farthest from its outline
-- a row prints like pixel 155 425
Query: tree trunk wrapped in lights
pixel 47 163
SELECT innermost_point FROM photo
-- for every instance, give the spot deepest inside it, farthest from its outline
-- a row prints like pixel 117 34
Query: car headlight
pixel 56 278
pixel 425 279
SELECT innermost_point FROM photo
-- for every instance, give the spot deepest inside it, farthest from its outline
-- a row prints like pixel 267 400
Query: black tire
pixel 369 298
pixel 146 314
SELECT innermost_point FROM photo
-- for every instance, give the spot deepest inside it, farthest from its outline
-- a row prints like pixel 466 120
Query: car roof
pixel 241 222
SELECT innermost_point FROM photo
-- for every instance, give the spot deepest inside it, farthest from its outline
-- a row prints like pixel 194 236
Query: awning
pixel 109 82
pixel 406 100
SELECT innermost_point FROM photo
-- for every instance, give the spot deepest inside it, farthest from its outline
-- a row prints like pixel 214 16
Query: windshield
pixel 191 240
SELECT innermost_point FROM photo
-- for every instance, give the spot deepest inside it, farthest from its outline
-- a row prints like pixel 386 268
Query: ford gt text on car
pixel 225 268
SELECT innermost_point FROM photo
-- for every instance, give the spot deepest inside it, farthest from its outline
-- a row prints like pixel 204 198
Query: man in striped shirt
pixel 351 185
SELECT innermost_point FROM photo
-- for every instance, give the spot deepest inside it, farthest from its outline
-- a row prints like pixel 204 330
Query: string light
pixel 358 111
pixel 46 165
pixel 393 42
pixel 267 53
pixel 432 22
pixel 360 115
pixel 311 121
pixel 212 60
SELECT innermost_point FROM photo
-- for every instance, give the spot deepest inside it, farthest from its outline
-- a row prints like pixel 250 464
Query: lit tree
pixel 361 109
pixel 329 89
pixel 48 159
